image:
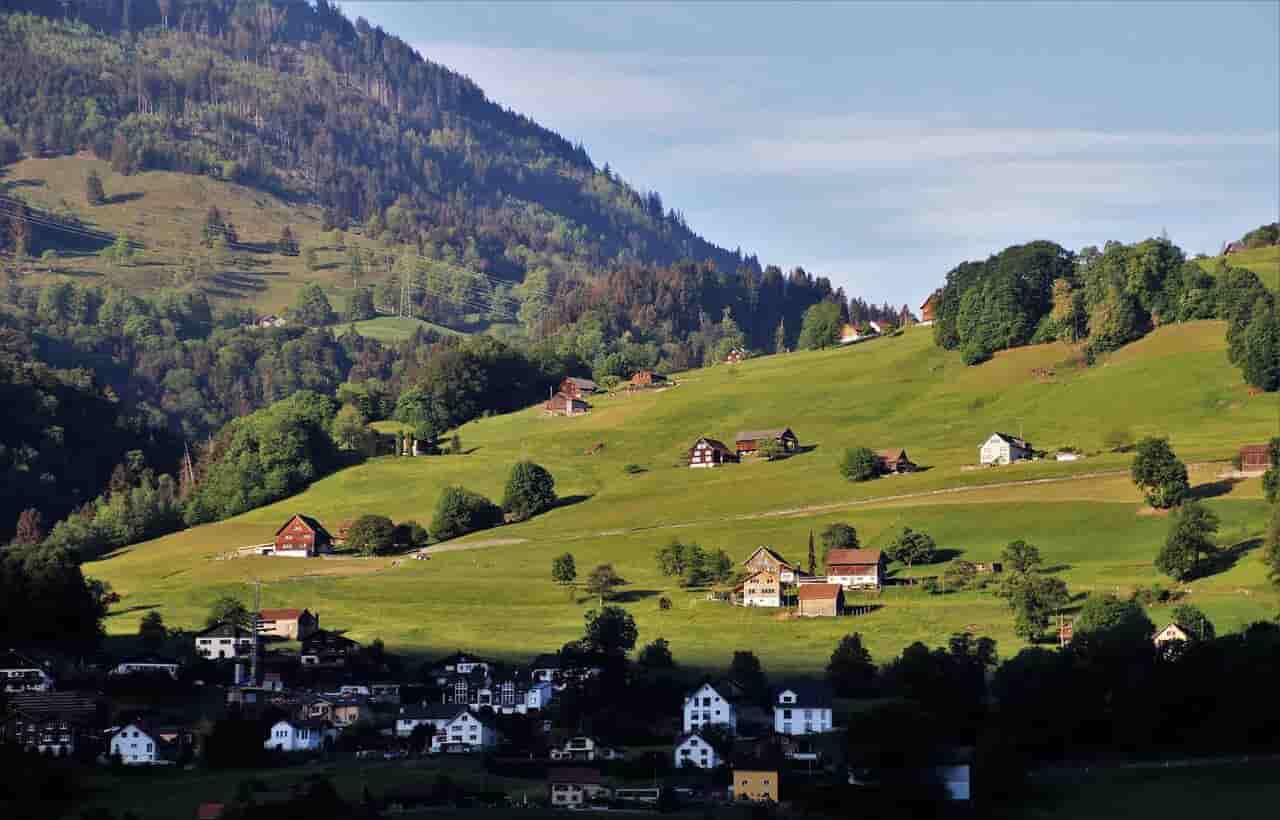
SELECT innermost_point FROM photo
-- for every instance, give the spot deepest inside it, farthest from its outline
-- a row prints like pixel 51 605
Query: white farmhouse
pixel 802 708
pixel 465 733
pixel 693 750
pixel 137 745
pixel 435 715
pixel 225 640
pixel 706 706
pixel 1003 448
pixel 299 735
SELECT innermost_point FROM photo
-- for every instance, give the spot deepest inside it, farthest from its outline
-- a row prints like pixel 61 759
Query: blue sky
pixel 881 144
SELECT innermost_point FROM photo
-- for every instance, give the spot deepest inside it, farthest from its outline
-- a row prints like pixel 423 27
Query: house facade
pixel 856 569
pixel 693 751
pixel 895 461
pixel 294 624
pixel 765 559
pixel 140 745
pixel 325 648
pixel 706 706
pixel 762 589
pixel 820 600
pixel 1003 448
pixel 755 785
pixel 574 788
pixel 436 716
pixel 21 674
pixel 302 537
pixel 1255 457
pixel 709 452
pixel 1170 634
pixel 464 734
pixel 562 405
pixel 802 708
pixel 928 310
pixel 299 735
pixel 54 723
pixel 225 640
pixel 585 748
pixel 646 378
pixel 748 442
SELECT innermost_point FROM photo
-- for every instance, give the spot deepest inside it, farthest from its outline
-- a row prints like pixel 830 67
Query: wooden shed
pixel 749 441
pixel 821 600
pixel 1255 457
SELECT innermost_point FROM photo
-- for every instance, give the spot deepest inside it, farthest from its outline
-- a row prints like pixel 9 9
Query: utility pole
pixel 257 639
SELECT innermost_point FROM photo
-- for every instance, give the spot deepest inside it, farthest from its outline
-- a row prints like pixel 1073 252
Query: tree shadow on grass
pixel 943 555
pixel 120 199
pixel 1055 568
pixel 630 596
pixel 1227 558
pixel 1213 489
pixel 126 610
pixel 569 501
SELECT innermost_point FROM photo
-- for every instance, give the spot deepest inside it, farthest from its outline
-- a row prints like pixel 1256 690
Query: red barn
pixel 1255 457
pixel 302 535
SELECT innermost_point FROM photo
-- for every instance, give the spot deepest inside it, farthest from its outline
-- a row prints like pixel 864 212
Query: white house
pixel 574 788
pixel 137 666
pixel 465 733
pixel 435 715
pixel 802 708
pixel 537 697
pixel 692 750
pixel 706 706
pixel 299 735
pixel 20 674
pixel 585 748
pixel 137 745
pixel 1003 448
pixel 224 640
pixel 1172 632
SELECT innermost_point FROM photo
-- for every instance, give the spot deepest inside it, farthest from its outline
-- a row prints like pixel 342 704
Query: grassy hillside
pixel 1263 261
pixel 1087 518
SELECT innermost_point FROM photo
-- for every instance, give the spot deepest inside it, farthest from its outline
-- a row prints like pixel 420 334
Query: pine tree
pixel 813 558
pixel 1261 364
pixel 780 337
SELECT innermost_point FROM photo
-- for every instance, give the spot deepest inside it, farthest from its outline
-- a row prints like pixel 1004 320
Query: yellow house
pixel 755 785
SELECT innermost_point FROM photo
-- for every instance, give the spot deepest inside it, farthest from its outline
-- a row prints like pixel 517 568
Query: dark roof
pixel 325 639
pixel 853 557
pixel 772 552
pixel 315 525
pixel 432 711
pixel 584 384
pixel 760 435
pixel 715 444
pixel 574 775
pixel 225 629
pixel 46 703
pixel 819 592
pixel 809 694
pixel 681 739
pixel 896 454
pixel 1014 440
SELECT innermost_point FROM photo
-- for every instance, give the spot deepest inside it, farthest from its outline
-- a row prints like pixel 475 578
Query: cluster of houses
pixel 852 334
pixel 570 399
pixel 710 452
pixel 775 582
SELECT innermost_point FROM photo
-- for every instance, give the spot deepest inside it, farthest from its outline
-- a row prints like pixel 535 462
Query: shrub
pixel 664 603
pixel 636 469
pixel 372 535
pixel 1159 473
pixel 859 464
pixel 530 490
pixel 460 511
pixel 959 575
pixel 412 535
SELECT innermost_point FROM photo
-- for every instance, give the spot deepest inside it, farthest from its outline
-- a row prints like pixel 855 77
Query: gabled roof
pixel 819 592
pixel 286 614
pixel 580 383
pixel 809 694
pixel 35 704
pixel 315 525
pixel 726 689
pixel 687 736
pixel 896 454
pixel 225 629
pixel 715 444
pixel 853 557
pixel 1014 440
pixel 575 775
pixel 772 553
pixel 759 435
pixel 432 711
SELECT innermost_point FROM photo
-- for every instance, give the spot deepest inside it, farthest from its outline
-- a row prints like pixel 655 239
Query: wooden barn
pixel 576 388
pixel 708 452
pixel 302 536
pixel 749 441
pixel 564 405
pixel 647 378
pixel 1254 457
pixel 765 559
pixel 895 461
pixel 856 569
pixel 821 600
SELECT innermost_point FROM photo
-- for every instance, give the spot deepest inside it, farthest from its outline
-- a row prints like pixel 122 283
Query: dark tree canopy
pixel 1159 473
pixel 460 511
pixel 372 535
pixel 530 490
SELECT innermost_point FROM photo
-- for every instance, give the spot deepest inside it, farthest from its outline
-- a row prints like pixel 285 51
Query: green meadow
pixel 491 592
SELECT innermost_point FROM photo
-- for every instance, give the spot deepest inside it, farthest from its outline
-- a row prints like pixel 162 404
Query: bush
pixel 412 535
pixel 1159 473
pixel 636 469
pixel 372 535
pixel 859 464
pixel 460 511
pixel 530 490
pixel 959 575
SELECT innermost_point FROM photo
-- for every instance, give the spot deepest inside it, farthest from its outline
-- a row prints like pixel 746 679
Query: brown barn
pixel 765 559
pixel 821 600
pixel 856 569
pixel 646 378
pixel 927 310
pixel 708 452
pixel 895 461
pixel 576 388
pixel 303 535
pixel 295 624
pixel 1255 457
pixel 749 441
pixel 563 405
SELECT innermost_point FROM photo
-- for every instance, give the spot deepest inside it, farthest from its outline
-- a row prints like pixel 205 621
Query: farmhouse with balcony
pixel 764 588
pixel 564 405
pixel 647 378
pixel 709 452
pixel 327 648
pixel 53 723
pixel 224 640
pixel 856 569
pixel 766 558
pixel 302 537
pixel 1255 458
pixel 576 388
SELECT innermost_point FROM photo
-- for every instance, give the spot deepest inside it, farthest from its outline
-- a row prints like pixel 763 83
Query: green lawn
pixel 1236 792
pixel 1263 261
pixel 498 598
pixel 394 329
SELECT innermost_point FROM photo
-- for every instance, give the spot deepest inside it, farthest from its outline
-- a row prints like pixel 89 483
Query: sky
pixel 882 144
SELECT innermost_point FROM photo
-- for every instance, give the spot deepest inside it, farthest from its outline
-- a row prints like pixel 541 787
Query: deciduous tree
pixel 1159 473
pixel 602 581
pixel 1191 535
pixel 859 464
pixel 530 490
pixel 611 631
pixel 372 535
pixel 912 547
pixel 851 670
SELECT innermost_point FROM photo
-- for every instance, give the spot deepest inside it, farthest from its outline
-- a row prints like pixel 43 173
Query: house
pixel 856 569
pixel 646 378
pixel 576 388
pixel 225 640
pixel 460 663
pixel 326 648
pixel 736 355
pixel 145 666
pixel 821 600
pixel 21 674
pixel 562 405
pixel 574 788
pixel 299 735
pixel 709 452
pixel 302 537
pixel 1255 457
pixel 142 744
pixel 55 723
pixel 464 734
pixel 1172 632
pixel 764 588
pixel 545 668
pixel 294 624
pixel 272 320
pixel 756 785
pixel 435 715
pixel 693 750
pixel 340 711
pixel 709 706
pixel 749 441
pixel 1003 448
pixel 765 558
pixel 929 308
pixel 585 748
pixel 895 461
pixel 802 708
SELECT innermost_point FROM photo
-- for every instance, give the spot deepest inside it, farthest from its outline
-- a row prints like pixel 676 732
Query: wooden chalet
pixel 708 452
pixel 562 404
pixel 820 600
pixel 749 441
pixel 1255 457
pixel 856 569
pixel 647 378
pixel 764 588
pixel 895 461
pixel 575 387
pixel 302 536
pixel 928 310
pixel 765 559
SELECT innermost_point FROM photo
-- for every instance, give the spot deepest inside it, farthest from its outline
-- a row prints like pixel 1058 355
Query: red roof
pixel 281 614
pixel 819 592
pixel 210 811
pixel 845 557
pixel 574 775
